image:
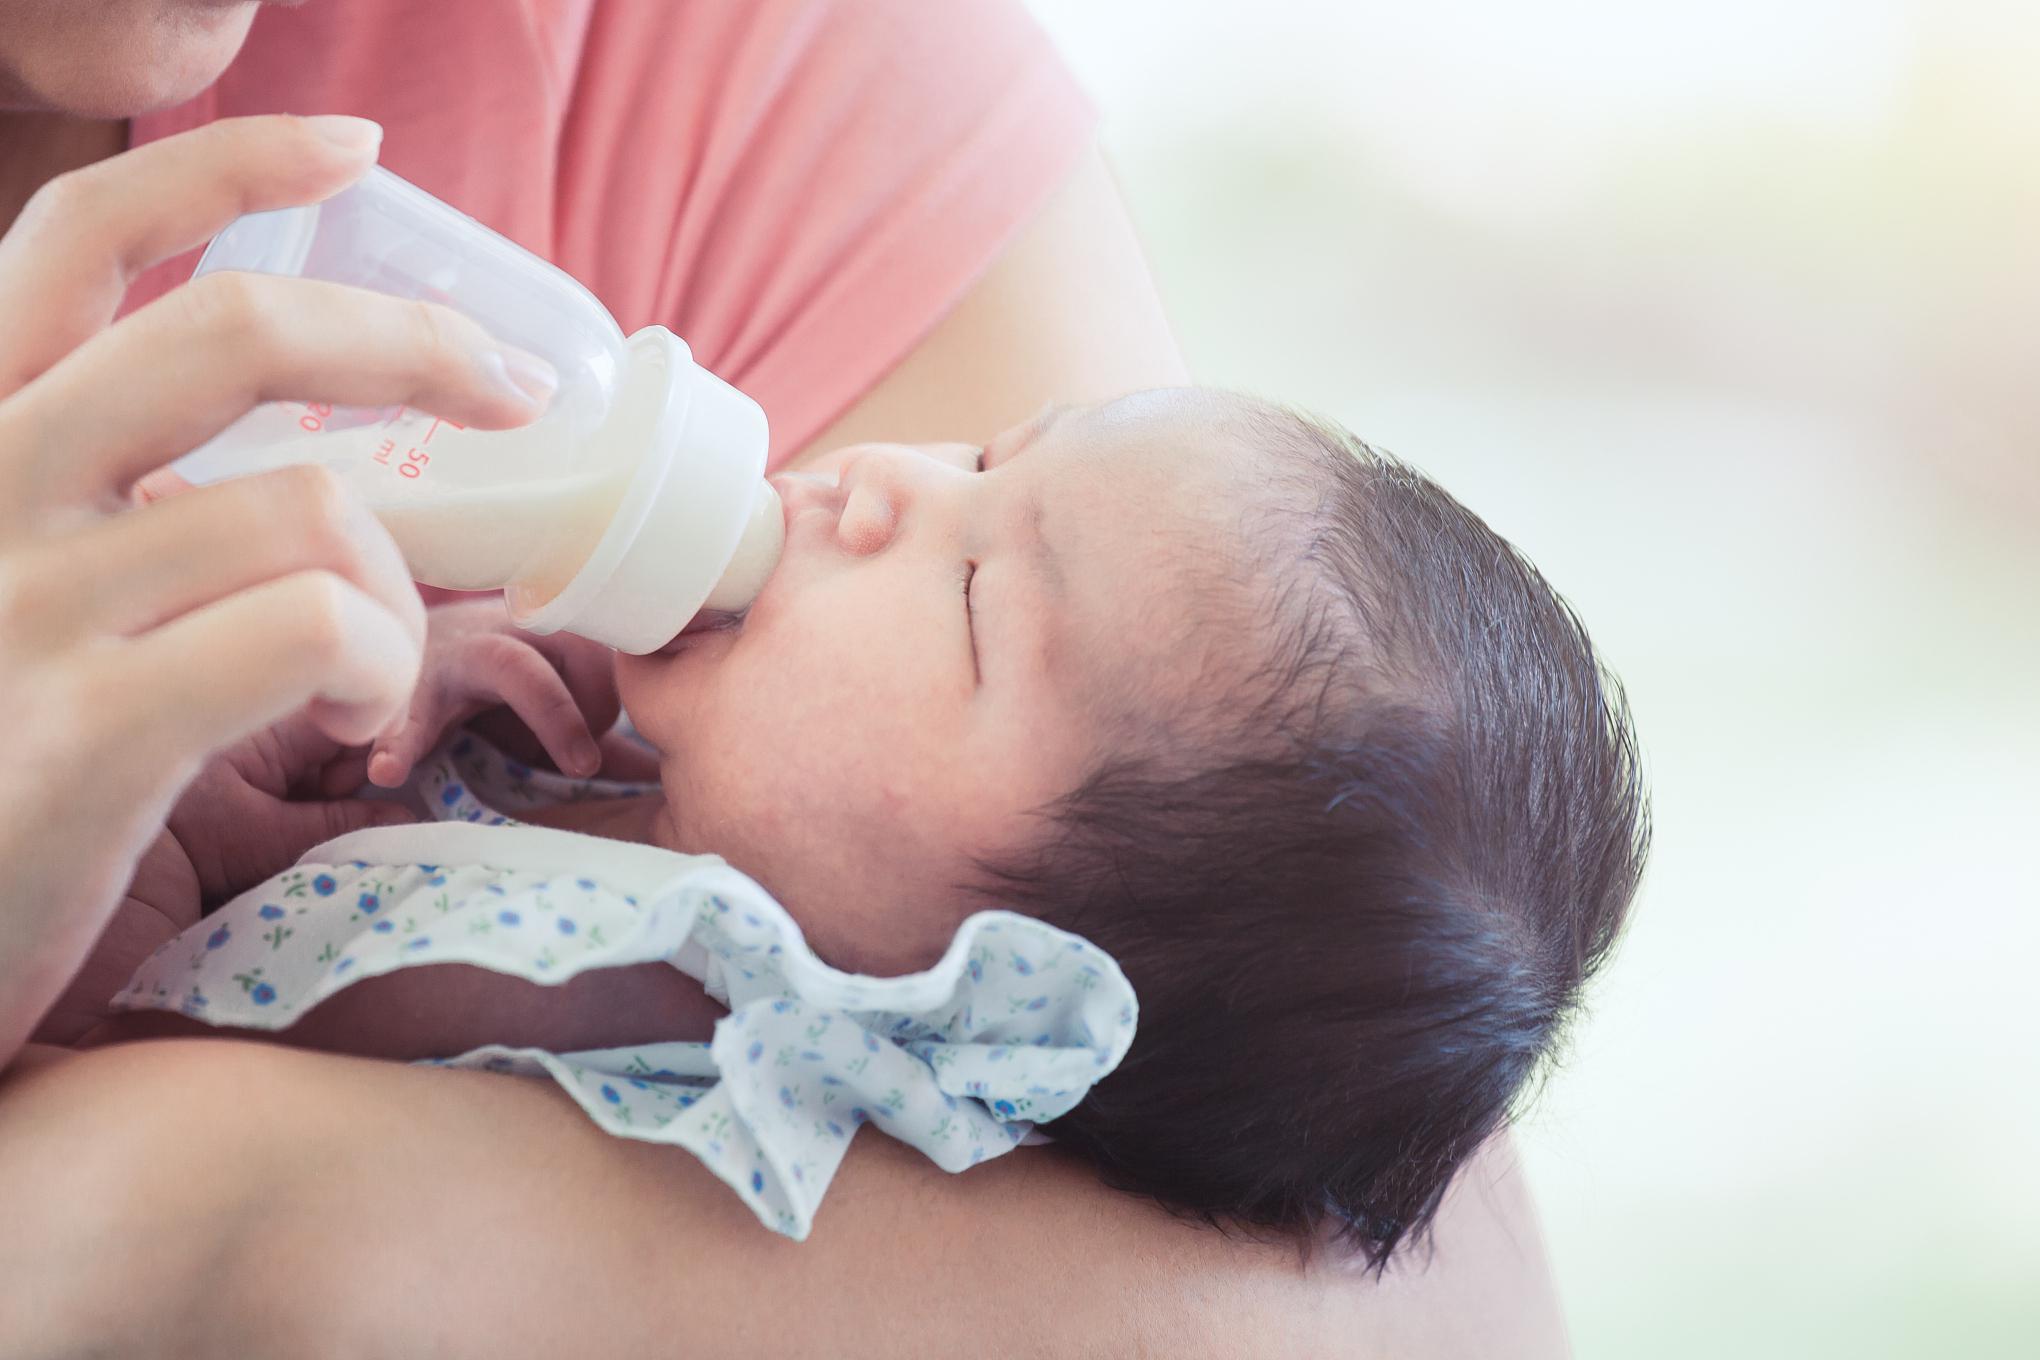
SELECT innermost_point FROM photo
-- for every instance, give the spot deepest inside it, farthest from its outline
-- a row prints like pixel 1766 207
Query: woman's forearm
pixel 569 1241
pixel 214 1198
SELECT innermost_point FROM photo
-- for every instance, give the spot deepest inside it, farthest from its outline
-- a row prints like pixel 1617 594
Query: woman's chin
pixel 146 57
pixel 139 86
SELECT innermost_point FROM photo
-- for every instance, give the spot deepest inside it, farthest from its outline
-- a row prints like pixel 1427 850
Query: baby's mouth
pixel 707 621
pixel 798 491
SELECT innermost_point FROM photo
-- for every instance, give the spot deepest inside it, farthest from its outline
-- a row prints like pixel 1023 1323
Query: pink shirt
pixel 800 189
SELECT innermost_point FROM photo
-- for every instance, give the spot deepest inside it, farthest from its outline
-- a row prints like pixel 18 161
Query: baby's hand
pixel 262 802
pixel 252 809
pixel 559 688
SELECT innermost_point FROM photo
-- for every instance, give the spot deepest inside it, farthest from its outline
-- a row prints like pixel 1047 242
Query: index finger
pixel 85 235
pixel 183 368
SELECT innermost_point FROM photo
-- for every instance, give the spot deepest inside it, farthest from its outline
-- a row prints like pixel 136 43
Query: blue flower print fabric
pixel 1010 1028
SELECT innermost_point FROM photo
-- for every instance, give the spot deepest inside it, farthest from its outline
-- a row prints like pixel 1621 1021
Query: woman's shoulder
pixel 802 192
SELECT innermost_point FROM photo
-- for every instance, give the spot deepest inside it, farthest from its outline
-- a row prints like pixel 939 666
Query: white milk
pixel 481 538
pixel 529 510
pixel 540 510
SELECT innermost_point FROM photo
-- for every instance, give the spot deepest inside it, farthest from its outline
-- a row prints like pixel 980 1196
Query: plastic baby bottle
pixel 635 502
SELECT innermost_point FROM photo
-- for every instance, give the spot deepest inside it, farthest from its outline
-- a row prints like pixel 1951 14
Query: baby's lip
pixel 800 491
pixel 707 621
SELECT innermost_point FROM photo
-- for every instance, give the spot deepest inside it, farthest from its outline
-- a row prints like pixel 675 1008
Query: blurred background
pixel 1726 314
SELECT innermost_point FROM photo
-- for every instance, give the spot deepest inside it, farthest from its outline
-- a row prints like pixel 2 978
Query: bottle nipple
pixel 756 555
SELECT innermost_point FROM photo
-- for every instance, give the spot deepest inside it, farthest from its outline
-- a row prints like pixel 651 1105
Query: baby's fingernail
pixel 382 769
pixel 587 759
pixel 347 132
pixel 526 376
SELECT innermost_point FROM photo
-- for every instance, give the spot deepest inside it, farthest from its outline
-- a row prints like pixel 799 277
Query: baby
pixel 1316 757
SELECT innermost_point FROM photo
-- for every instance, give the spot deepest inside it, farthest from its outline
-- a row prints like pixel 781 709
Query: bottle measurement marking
pixel 415 458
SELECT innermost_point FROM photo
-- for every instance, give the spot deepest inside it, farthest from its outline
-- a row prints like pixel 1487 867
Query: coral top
pixel 799 188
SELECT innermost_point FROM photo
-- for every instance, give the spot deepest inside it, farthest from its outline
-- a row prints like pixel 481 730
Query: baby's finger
pixel 343 776
pixel 304 824
pixel 626 759
pixel 589 670
pixel 398 747
pixel 391 761
pixel 534 691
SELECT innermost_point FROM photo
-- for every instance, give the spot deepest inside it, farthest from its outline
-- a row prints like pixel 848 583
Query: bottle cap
pixel 698 525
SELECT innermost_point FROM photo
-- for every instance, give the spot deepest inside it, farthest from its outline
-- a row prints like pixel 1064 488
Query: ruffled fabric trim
pixel 1011 1027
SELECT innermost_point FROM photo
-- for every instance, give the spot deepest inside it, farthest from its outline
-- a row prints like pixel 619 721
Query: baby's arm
pixel 260 804
pixel 438 1010
pixel 251 811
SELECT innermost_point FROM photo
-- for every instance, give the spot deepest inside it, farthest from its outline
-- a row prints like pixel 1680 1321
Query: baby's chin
pixel 655 688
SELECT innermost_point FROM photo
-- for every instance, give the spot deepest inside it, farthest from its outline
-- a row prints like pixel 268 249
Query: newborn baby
pixel 1315 756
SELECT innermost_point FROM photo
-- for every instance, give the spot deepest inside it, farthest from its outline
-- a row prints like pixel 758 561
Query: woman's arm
pixel 208 1197
pixel 134 645
pixel 235 1198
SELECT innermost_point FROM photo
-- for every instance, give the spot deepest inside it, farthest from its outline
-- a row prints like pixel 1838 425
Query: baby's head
pixel 1317 757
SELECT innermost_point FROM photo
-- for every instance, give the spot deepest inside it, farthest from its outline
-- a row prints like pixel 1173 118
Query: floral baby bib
pixel 1011 1027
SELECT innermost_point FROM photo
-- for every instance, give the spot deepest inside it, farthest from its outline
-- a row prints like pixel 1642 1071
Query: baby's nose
pixel 884 484
pixel 870 515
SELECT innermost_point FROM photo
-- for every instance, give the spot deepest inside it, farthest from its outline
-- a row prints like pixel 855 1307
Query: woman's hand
pixel 135 643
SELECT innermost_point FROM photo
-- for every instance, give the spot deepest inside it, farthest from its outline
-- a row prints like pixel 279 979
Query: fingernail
pixel 382 768
pixel 347 132
pixel 531 378
pixel 587 759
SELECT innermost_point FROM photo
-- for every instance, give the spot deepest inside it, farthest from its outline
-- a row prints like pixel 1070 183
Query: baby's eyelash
pixel 970 619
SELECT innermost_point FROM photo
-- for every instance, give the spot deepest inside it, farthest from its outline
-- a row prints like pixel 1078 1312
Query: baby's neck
pixel 641 818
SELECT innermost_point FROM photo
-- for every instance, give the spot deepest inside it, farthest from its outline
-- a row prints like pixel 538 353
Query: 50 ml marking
pixel 415 458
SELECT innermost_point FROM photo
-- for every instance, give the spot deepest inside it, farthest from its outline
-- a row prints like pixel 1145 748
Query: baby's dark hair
pixel 1358 897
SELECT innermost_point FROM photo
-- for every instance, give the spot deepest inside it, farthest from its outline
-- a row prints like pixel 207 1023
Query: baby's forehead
pixel 1186 483
pixel 1176 518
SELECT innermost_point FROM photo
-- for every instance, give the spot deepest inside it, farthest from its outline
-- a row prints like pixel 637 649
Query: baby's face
pixel 942 651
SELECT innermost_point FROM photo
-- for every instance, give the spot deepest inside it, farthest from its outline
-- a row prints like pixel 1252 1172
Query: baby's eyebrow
pixel 1010 444
pixel 1041 554
pixel 1050 414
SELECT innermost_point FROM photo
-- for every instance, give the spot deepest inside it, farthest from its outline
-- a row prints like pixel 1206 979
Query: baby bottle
pixel 635 502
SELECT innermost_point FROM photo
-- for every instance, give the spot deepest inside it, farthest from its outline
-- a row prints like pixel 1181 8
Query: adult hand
pixel 133 643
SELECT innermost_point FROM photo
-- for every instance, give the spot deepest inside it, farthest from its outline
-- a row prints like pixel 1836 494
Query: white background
pixel 1725 313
